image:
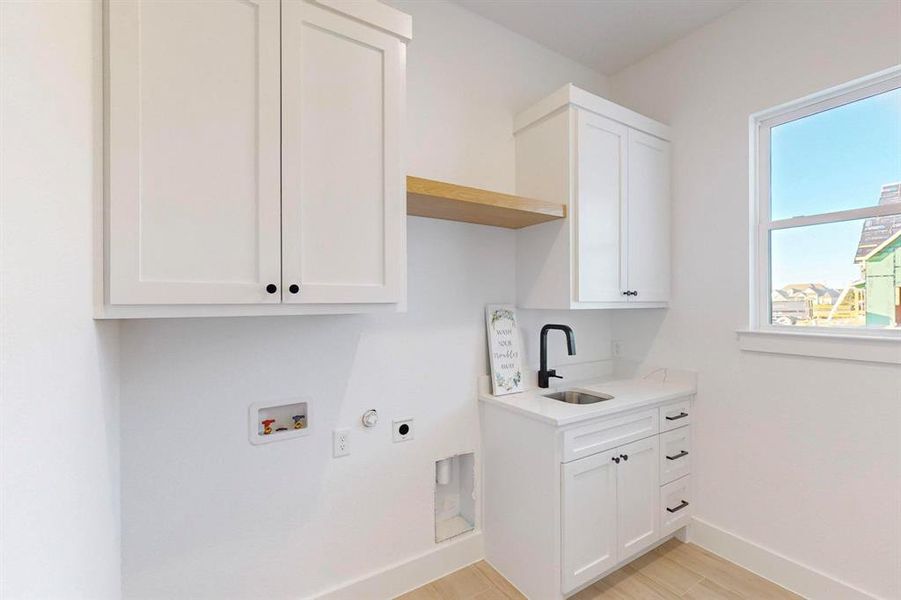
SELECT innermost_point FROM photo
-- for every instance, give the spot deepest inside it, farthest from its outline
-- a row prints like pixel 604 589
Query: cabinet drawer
pixel 675 415
pixel 603 435
pixel 675 505
pixel 675 454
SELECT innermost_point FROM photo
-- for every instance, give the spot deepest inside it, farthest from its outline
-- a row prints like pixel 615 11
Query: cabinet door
pixel 648 218
pixel 589 518
pixel 638 494
pixel 600 192
pixel 344 203
pixel 193 145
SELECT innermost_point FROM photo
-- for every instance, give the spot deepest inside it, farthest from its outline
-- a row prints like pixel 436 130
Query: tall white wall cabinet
pixel 253 158
pixel 612 168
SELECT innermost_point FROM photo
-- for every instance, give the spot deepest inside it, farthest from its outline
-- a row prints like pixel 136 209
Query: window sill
pixel 885 349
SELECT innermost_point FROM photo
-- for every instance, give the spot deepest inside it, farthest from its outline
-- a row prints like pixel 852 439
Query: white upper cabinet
pixel 612 168
pixel 600 212
pixel 648 219
pixel 253 158
pixel 344 198
pixel 193 186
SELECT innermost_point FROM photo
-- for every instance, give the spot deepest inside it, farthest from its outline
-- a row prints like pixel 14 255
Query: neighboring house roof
pixel 800 291
pixel 793 289
pixel 831 294
pixel 876 230
pixel 886 247
pixel 817 288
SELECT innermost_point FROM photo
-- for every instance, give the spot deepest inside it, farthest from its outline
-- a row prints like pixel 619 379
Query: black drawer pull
pixel 677 456
pixel 681 415
pixel 682 505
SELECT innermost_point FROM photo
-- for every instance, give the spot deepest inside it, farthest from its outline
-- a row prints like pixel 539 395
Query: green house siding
pixel 883 276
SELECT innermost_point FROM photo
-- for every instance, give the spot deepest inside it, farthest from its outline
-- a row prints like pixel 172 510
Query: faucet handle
pixel 553 373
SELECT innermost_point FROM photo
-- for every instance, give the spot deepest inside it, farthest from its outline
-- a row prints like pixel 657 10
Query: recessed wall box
pixel 273 422
pixel 455 502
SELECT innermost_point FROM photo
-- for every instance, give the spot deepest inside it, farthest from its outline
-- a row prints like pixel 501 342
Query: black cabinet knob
pixel 627 293
pixel 271 288
pixel 293 288
pixel 624 456
pixel 615 459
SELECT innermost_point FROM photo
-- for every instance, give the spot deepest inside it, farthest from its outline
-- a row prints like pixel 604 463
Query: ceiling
pixel 606 35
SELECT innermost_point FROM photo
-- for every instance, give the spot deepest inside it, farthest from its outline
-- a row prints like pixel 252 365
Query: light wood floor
pixel 672 571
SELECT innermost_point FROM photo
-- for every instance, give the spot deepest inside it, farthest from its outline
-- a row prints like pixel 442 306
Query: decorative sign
pixel 504 349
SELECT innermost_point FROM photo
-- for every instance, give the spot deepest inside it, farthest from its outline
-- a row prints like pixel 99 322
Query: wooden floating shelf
pixel 440 200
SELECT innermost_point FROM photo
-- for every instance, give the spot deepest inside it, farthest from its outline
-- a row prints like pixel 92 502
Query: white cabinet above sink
pixel 611 166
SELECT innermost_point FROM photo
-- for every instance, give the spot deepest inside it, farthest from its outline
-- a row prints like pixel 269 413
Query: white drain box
pixel 455 503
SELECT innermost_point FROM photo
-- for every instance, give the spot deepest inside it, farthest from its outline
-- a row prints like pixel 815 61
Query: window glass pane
pixel 838 274
pixel 837 159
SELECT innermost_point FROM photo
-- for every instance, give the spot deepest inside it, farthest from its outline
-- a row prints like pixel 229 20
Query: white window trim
pixel 762 336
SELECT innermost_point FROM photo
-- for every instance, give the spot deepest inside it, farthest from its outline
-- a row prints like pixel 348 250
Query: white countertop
pixel 627 394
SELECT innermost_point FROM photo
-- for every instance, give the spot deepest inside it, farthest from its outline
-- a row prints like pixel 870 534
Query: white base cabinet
pixel 565 506
pixel 611 166
pixel 637 487
pixel 253 158
pixel 589 518
pixel 609 510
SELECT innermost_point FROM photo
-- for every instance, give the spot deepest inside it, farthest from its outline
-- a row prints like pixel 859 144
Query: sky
pixel 834 160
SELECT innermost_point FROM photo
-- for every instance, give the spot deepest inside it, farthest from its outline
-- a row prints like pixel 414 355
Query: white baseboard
pixel 779 569
pixel 402 577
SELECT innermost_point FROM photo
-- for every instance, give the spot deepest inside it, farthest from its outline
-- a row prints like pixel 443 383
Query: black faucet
pixel 543 374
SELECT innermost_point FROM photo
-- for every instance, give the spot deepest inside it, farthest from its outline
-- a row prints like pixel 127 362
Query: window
pixel 827 200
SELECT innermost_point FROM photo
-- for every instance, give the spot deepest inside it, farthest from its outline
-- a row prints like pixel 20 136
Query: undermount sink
pixel 576 397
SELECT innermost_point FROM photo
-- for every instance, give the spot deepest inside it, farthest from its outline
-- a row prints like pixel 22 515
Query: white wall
pixel 207 515
pixel 801 456
pixel 467 77
pixel 59 457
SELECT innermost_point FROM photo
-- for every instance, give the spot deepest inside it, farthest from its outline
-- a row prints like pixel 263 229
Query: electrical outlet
pixel 340 442
pixel 403 430
pixel 616 348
